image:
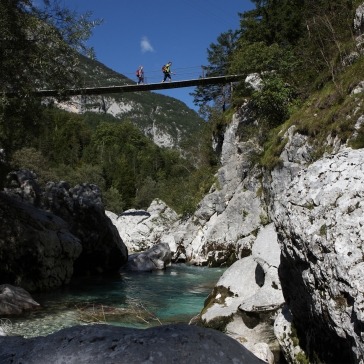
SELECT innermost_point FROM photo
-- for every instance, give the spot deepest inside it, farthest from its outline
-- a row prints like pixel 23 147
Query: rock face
pixel 224 226
pixel 37 250
pixel 316 209
pixel 166 121
pixel 141 229
pixel 48 236
pixel 23 184
pixel 287 336
pixel 158 257
pixel 318 212
pixel 103 344
pixel 103 251
pixel 359 20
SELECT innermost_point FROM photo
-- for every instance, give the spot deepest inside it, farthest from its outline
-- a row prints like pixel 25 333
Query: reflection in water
pixel 135 300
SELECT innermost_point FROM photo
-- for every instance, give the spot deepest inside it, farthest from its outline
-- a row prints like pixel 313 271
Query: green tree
pixel 273 21
pixel 218 56
pixel 40 44
pixel 271 102
pixel 317 36
pixel 146 193
pixel 32 159
pixel 327 40
pixel 69 141
pixel 113 200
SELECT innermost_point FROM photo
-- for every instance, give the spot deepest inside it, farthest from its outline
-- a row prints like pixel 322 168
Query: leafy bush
pixel 113 200
pixel 271 103
pixel 32 159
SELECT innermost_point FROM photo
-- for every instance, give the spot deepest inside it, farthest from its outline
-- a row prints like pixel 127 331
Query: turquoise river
pixel 138 300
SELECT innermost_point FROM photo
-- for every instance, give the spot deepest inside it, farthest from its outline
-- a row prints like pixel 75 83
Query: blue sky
pixel 153 32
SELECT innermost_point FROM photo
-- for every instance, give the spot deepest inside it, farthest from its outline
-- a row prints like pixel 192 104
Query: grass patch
pixel 273 148
pixel 218 323
pixel 323 230
pixel 330 112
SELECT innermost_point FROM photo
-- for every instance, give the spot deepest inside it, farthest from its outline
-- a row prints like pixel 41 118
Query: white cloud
pixel 145 45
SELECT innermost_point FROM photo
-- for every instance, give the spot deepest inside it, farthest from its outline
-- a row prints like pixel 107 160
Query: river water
pixel 138 300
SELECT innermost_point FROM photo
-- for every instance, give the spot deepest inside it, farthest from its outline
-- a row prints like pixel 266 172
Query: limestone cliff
pixel 317 210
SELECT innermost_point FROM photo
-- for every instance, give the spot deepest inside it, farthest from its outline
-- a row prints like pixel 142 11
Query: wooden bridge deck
pixel 135 87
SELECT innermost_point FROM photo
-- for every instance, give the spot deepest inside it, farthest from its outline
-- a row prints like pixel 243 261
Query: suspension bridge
pixel 140 87
pixel 189 79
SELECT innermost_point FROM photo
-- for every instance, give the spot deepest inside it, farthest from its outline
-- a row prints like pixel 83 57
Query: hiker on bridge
pixel 140 75
pixel 166 69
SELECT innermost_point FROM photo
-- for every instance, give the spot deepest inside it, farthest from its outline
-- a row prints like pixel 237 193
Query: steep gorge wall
pixel 317 209
pixel 226 223
pixel 317 213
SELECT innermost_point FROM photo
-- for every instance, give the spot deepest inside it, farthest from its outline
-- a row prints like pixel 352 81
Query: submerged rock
pixel 104 344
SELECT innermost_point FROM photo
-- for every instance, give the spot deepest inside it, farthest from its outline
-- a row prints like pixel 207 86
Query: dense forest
pixel 299 49
pixel 127 166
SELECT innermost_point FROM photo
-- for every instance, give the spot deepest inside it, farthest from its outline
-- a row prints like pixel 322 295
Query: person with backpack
pixel 140 75
pixel 166 69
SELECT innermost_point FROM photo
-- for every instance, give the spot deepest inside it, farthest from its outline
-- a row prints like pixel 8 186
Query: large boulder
pixel 158 257
pixel 15 300
pixel 248 296
pixel 37 250
pixel 23 185
pixel 48 236
pixel 104 344
pixel 141 229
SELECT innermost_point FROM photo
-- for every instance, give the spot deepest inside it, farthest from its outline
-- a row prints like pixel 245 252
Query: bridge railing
pixel 155 76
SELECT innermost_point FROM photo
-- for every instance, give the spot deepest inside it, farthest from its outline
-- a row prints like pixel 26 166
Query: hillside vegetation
pixel 318 62
pixel 308 57
pixel 128 167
